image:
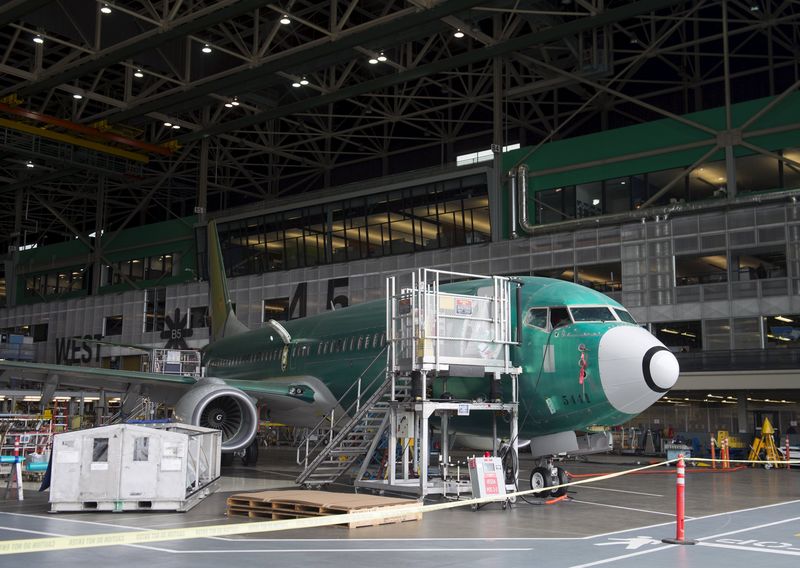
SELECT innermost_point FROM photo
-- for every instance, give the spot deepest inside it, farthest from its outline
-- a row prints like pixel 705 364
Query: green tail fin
pixel 224 322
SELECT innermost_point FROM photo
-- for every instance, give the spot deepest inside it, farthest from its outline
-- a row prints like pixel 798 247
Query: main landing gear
pixel 249 455
pixel 549 475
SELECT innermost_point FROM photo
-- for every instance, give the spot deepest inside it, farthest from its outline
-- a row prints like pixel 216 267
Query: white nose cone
pixel 635 368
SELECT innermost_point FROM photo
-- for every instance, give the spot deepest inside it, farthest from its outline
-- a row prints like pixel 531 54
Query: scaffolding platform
pixel 460 334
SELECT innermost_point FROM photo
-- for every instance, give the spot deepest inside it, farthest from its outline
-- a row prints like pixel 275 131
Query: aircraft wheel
pixel 250 457
pixel 540 479
pixel 562 479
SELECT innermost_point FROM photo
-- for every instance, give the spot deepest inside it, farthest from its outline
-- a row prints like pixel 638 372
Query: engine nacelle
pixel 213 404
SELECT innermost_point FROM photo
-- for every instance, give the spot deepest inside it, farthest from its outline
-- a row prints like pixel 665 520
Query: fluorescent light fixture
pixel 176 126
pixel 672 331
pixel 105 9
pixel 228 105
pixel 206 48
pixel 381 57
pixel 296 84
pixel 38 39
pixel 138 74
pixel 373 60
pixel 77 96
pixel 687 334
pixel 167 124
pixel 784 318
pixel 285 20
pixel 458 34
pixel 304 81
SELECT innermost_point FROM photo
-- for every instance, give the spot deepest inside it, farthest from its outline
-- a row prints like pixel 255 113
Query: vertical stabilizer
pixel 223 319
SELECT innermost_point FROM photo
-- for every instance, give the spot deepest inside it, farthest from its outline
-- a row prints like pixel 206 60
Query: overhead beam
pixel 156 37
pixel 473 56
pixel 15 9
pixel 321 53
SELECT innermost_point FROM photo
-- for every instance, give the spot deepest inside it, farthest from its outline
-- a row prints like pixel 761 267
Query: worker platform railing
pixel 464 331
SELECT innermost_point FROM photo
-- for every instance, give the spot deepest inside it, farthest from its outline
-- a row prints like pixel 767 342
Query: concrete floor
pixel 614 522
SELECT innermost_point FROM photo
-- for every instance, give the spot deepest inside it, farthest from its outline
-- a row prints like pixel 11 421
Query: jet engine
pixel 213 404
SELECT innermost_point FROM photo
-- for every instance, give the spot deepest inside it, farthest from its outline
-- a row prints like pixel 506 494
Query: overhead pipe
pixel 663 211
pixel 512 204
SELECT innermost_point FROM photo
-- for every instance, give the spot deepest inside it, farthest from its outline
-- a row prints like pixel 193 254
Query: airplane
pixel 584 359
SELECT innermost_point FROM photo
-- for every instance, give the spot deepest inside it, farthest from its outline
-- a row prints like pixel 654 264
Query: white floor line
pixel 623 557
pixel 197 522
pixel 329 550
pixel 625 508
pixel 63 520
pixel 795 552
pixel 29 531
pixel 719 545
pixel 755 528
pixel 589 486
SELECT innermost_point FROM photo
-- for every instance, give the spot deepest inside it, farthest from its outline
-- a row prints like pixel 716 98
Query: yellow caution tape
pixel 149 536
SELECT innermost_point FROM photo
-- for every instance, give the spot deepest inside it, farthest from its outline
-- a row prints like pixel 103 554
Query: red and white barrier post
pixel 713 453
pixel 680 534
pixel 788 457
pixel 726 456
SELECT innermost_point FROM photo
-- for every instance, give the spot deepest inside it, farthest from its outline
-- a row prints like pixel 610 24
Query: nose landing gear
pixel 549 475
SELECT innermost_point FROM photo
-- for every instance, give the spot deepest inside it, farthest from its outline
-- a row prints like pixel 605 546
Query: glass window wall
pixel 431 216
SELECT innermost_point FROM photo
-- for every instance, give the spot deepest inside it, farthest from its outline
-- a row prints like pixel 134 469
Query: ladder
pixel 352 439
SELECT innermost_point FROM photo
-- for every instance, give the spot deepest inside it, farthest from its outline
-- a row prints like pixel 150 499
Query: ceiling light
pixel 285 20
pixel 138 74
pixel 29 164
pixel 77 96
pixel 304 81
pixel 176 126
pixel 228 105
pixel 206 48
pixel 595 202
pixel 38 39
pixel 373 60
pixel 458 34
pixel 381 57
pixel 755 8
pixel 235 101
pixel 784 318
pixel 105 9
pixel 167 124
pixel 295 84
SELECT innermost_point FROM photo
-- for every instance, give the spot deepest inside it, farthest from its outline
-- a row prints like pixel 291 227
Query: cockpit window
pixel 624 316
pixel 537 317
pixel 598 313
pixel 559 317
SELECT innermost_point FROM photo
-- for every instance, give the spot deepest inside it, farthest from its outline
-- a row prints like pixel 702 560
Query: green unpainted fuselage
pixel 337 346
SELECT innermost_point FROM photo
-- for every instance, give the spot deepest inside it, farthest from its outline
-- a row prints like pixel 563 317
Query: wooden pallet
pixel 297 504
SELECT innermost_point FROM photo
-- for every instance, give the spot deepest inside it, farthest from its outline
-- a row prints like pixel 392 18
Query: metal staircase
pixel 355 434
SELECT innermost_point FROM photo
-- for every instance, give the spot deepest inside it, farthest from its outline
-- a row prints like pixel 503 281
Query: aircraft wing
pixel 96 377
pixel 91 376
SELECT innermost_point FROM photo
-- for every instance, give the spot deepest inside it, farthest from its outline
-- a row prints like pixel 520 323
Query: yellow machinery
pixel 765 443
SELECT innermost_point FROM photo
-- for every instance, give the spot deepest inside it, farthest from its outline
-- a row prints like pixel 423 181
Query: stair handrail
pixel 330 417
pixel 379 393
